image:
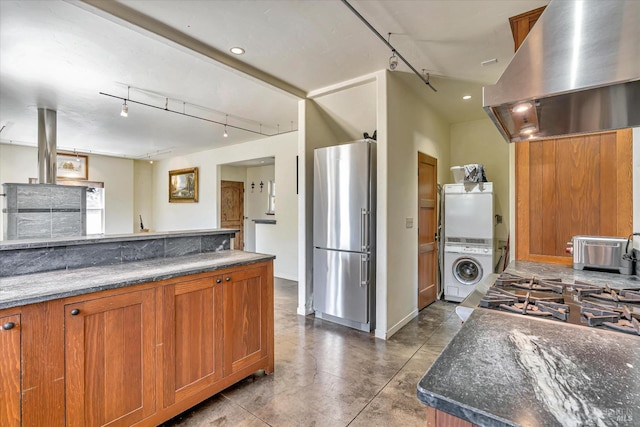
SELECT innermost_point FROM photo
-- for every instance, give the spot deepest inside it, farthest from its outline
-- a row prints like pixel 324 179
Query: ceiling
pixel 174 55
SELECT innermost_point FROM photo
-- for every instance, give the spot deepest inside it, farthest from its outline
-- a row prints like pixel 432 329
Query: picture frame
pixel 72 166
pixel 183 185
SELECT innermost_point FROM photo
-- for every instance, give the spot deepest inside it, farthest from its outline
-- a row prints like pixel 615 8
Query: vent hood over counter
pixel 577 71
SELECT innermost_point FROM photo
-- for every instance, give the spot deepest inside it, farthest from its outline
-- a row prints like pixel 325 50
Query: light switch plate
pixel 409 222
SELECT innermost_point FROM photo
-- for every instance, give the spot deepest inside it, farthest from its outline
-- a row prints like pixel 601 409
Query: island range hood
pixel 578 71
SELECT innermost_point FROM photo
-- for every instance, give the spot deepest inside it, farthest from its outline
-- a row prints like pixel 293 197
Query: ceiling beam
pixel 133 19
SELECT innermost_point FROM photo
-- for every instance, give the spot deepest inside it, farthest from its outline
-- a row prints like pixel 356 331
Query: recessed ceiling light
pixel 237 50
pixel 528 129
pixel 521 107
pixel 466 97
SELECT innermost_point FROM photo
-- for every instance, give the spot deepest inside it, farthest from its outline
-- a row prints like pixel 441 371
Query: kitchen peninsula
pixel 131 329
pixel 505 369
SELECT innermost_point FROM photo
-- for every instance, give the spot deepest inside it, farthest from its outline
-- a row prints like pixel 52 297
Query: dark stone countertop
pixel 567 273
pixel 38 287
pixel 264 221
pixel 507 370
pixel 84 240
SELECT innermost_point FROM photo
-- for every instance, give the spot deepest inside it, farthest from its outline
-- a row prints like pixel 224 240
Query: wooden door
pixel 232 209
pixel 247 296
pixel 427 222
pixel 110 360
pixel 10 390
pixel 192 337
pixel 578 185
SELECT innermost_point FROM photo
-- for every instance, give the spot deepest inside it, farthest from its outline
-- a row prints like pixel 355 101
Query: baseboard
pixel 395 328
pixel 304 311
pixel 293 278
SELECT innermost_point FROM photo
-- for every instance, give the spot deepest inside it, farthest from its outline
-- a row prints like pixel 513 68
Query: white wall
pixel 412 126
pixel 206 213
pixel 117 175
pixel 143 191
pixel 479 141
pixel 233 173
pixel 19 163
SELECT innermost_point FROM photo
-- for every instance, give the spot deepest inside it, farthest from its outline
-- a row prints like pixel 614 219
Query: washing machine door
pixel 467 271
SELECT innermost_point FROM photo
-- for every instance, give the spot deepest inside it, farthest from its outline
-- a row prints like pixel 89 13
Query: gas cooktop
pixel 577 303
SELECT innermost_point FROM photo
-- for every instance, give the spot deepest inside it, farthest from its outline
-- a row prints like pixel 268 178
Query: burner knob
pixel 569 248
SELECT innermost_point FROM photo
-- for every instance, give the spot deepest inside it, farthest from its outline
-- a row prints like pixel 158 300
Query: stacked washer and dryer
pixel 468 237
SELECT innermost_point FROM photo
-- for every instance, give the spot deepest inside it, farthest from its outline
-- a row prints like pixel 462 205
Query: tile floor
pixel 330 375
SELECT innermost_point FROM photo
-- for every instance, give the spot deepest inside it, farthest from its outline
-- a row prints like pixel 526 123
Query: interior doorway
pixel 427 223
pixel 232 209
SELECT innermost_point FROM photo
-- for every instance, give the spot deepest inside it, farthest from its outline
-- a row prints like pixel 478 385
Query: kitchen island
pixel 503 369
pixel 131 342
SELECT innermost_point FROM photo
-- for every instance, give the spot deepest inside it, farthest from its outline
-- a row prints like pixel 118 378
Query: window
pixel 95 210
pixel 271 202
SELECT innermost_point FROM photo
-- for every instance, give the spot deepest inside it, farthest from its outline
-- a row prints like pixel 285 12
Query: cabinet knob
pixel 218 280
pixel 75 312
pixel 8 325
pixel 228 278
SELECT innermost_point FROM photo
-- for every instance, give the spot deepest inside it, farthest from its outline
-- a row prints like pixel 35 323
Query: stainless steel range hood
pixel 577 71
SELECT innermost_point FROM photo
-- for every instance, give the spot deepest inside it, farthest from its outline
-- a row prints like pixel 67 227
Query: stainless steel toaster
pixel 600 253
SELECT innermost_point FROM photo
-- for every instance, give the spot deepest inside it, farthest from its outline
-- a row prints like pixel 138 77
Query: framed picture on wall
pixel 72 166
pixel 183 185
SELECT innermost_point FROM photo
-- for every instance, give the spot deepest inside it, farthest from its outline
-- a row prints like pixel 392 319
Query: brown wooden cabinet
pixel 523 23
pixel 110 359
pixel 135 356
pixel 437 418
pixel 10 370
pixel 246 315
pixel 577 185
pixel 192 337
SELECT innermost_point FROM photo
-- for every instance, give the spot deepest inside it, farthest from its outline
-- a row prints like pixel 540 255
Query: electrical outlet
pixel 409 222
pixel 498 219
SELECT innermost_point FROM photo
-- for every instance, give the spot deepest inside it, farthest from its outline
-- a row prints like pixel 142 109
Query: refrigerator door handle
pixel 364 271
pixel 364 230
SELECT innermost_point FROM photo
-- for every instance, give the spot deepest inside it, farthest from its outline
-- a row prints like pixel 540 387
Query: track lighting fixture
pixel 393 61
pixel 388 43
pixel 165 107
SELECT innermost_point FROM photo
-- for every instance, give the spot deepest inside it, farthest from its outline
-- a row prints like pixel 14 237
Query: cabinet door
pixel 10 371
pixel 572 186
pixel 246 318
pixel 110 356
pixel 192 337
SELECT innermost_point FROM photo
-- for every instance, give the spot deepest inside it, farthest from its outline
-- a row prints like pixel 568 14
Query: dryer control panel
pixel 464 249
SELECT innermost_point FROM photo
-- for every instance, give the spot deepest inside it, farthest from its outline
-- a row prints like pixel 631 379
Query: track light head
pixel 225 134
pixel 125 109
pixel 393 61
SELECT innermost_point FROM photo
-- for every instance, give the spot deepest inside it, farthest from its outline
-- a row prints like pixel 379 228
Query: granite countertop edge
pixel 86 240
pixel 461 410
pixel 94 279
pixel 265 221
pixel 467 351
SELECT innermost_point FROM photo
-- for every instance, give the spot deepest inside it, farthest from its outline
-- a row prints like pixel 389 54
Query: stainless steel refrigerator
pixel 344 226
